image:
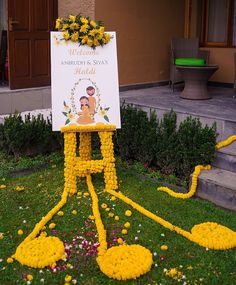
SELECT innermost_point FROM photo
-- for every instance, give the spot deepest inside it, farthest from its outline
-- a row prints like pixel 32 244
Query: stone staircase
pixel 219 184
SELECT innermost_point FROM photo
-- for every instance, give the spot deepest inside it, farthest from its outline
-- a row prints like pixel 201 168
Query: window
pixel 218 20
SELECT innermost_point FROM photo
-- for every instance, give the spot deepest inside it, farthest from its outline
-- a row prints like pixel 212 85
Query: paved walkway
pixel 221 106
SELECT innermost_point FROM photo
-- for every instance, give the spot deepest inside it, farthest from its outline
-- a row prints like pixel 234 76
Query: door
pixel 29 23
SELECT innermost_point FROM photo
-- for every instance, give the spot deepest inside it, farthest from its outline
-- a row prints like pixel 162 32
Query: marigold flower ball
pixel 120 240
pixel 29 277
pixel 127 225
pixel 164 247
pixel 10 260
pixel 124 232
pixel 104 206
pixel 20 232
pixel 1 236
pixel 128 213
pixel 60 213
pixel 74 212
pixel 52 226
pixel 113 198
pixel 117 218
pixel 68 278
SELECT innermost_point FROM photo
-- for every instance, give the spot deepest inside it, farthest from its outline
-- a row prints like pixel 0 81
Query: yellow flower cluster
pixel 174 273
pixel 215 237
pixel 40 252
pixel 125 261
pixel 93 128
pixel 193 187
pixel 83 30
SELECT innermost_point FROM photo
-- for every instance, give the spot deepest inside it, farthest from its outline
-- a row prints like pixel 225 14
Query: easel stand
pixel 82 165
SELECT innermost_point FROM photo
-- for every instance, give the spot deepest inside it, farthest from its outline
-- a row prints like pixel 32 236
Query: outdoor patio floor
pixel 221 108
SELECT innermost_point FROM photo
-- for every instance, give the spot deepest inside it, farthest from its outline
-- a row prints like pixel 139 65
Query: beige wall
pixel 144 30
pixel 83 7
pixel 224 57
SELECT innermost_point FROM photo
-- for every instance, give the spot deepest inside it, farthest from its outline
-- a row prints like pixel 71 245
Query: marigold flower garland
pixel 196 173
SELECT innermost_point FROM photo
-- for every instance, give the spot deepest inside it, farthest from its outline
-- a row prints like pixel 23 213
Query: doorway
pixel 4 75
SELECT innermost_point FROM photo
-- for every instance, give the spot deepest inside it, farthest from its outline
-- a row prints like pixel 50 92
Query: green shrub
pixel 161 144
pixel 31 136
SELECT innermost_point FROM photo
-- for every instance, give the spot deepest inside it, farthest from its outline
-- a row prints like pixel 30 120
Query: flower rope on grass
pixel 209 234
pixel 196 173
pixel 118 262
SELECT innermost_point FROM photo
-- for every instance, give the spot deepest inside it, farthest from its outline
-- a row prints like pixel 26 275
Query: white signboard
pixel 85 88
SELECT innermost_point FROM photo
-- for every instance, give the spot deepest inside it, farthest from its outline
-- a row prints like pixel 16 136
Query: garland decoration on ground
pixel 196 173
pixel 119 262
pixel 83 30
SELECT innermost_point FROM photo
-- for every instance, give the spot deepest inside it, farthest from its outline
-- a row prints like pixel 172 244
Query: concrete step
pixel 219 187
pixel 226 158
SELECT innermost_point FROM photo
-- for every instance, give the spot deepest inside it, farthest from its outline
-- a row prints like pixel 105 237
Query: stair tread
pixel 220 177
pixel 229 149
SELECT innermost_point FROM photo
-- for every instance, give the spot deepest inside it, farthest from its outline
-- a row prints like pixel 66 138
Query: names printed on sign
pixel 85 88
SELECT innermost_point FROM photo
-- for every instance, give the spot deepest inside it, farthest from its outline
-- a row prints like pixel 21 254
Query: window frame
pixel 204 26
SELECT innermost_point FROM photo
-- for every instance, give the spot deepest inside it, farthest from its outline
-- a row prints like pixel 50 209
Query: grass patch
pixel 22 210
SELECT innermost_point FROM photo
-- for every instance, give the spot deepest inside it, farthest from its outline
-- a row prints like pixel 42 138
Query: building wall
pixel 72 7
pixel 144 30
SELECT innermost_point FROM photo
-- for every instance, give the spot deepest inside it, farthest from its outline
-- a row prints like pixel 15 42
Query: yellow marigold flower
pixel 74 212
pixel 107 37
pixel 93 24
pixel 107 209
pixel 117 218
pixel 111 214
pixel 10 260
pixel 124 232
pixel 101 29
pixel 190 267
pixel 127 225
pixel 74 38
pixel 2 186
pixel 79 193
pixel 1 236
pixel 68 278
pixel 84 20
pixel 86 194
pixel 20 232
pixel 84 28
pixel 95 42
pixel 20 188
pixel 104 205
pixel 113 198
pixel 52 226
pixel 29 277
pixel 128 213
pixel 60 213
pixel 164 247
pixel 91 217
pixel 72 18
pixel 120 240
pixel 66 35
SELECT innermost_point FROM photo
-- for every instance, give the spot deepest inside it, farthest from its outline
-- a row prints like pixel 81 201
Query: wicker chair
pixel 184 48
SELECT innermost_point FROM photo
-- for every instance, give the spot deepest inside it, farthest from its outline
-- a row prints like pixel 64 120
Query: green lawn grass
pixel 22 210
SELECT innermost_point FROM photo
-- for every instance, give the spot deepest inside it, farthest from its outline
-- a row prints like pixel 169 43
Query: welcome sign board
pixel 85 88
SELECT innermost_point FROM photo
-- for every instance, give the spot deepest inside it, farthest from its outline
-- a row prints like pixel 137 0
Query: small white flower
pixel 183 277
pixel 162 235
pixel 181 266
pixel 81 275
pixel 138 231
pixel 20 207
pixel 40 271
pixel 1 260
pixel 136 238
pixel 164 270
pixel 156 265
pixel 154 253
pixel 28 282
pixel 42 280
pixel 74 281
pixel 140 225
pixel 24 221
pixel 207 248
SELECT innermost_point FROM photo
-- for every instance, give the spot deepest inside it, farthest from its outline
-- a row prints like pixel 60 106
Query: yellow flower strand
pixel 196 173
pixel 209 234
pixel 118 262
